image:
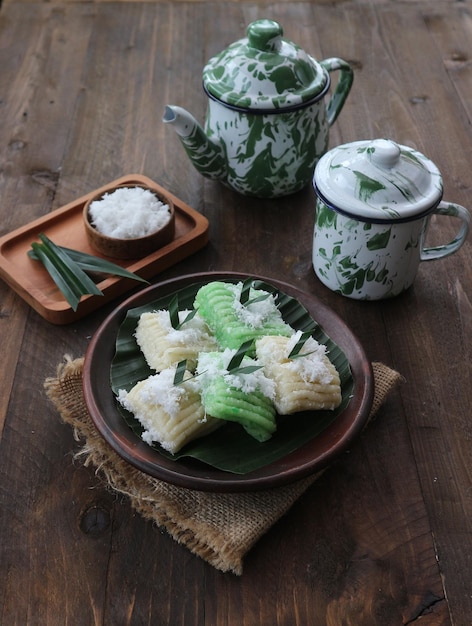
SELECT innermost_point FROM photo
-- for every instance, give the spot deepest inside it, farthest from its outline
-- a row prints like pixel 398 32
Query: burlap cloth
pixel 218 527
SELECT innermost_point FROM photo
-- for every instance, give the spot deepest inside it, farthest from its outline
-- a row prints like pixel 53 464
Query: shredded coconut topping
pixel 159 390
pixel 310 363
pixel 212 365
pixel 128 213
pixel 255 314
pixel 193 332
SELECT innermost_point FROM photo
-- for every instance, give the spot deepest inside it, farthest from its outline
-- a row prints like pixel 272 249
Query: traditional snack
pixel 231 359
pixel 308 381
pixel 234 321
pixel 242 395
pixel 164 346
pixel 170 414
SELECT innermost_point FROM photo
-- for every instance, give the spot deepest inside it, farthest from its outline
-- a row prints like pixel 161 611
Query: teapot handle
pixel 343 87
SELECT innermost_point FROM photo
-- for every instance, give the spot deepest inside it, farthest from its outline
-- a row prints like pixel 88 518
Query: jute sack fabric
pixel 218 527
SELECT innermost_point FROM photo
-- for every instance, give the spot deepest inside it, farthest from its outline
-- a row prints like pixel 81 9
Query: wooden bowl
pixel 129 248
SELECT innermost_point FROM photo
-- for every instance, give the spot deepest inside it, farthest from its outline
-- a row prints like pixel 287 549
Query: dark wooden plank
pixel 36 105
pixel 32 148
pixel 358 547
pixel 13 312
pixel 261 3
pixel 437 340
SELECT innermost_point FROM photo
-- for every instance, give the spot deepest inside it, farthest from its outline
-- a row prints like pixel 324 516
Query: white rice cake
pixel 171 415
pixel 164 346
pixel 305 383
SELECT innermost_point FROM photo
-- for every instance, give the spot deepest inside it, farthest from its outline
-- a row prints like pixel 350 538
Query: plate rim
pixel 193 475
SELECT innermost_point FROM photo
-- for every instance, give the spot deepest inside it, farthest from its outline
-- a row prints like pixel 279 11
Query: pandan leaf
pixel 68 268
pixel 90 263
pixel 69 290
pixel 174 312
pixel 188 317
pixel 257 299
pixel 296 351
pixel 239 355
pixel 230 448
pixel 70 279
pixel 248 369
pixel 246 290
pixel 180 372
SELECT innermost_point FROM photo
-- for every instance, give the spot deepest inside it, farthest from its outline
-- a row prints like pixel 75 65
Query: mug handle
pixel 454 210
pixel 336 103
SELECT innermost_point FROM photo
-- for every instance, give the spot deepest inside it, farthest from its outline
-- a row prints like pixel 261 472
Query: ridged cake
pixel 164 346
pixel 233 322
pixel 237 396
pixel 170 414
pixel 308 381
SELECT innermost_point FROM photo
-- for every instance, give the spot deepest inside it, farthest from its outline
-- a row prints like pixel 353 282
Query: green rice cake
pixel 232 322
pixel 237 396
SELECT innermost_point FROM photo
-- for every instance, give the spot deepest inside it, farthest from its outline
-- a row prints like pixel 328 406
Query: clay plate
pixel 305 461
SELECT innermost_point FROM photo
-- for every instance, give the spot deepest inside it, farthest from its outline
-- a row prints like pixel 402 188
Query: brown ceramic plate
pixel 186 472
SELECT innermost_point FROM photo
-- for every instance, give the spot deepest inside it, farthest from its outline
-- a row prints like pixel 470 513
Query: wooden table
pixel 385 536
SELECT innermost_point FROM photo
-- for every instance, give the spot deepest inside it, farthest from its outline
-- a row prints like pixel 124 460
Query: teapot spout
pixel 205 155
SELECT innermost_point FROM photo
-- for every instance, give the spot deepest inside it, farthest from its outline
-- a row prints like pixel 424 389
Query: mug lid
pixel 264 71
pixel 378 181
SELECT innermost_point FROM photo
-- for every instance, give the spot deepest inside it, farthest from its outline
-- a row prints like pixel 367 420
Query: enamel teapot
pixel 267 121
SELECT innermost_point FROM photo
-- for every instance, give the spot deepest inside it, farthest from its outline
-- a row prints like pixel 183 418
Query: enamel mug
pixel 374 204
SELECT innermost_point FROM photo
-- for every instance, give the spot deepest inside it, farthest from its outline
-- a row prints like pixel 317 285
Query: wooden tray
pixel 65 227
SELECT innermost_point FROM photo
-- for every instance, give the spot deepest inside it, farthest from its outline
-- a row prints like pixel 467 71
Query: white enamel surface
pixel 264 71
pixel 271 149
pixel 343 261
pixel 378 180
pixel 369 261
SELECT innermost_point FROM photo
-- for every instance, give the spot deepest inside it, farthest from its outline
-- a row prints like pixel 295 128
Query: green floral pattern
pixel 266 155
pixel 267 122
pixel 264 71
pixel 375 199
pixel 363 260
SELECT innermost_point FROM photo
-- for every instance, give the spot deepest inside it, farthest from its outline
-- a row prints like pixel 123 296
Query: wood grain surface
pixel 385 536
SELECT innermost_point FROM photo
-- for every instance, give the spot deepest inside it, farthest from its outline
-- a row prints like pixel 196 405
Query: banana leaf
pixel 230 448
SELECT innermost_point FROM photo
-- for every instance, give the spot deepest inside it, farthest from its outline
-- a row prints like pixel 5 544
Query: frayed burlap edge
pixel 220 528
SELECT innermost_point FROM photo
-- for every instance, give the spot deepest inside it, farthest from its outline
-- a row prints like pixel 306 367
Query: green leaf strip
pixel 91 263
pixel 70 279
pixel 238 356
pixel 295 353
pixel 190 316
pixel 80 278
pixel 248 369
pixel 180 372
pixel 174 312
pixel 59 275
pixel 258 299
pixel 245 290
pixel 68 268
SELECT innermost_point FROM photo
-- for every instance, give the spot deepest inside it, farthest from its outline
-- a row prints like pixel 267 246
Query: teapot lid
pixel 378 181
pixel 263 71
